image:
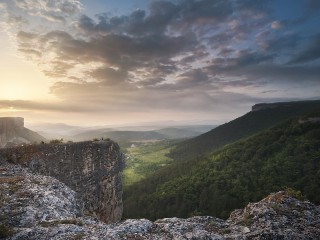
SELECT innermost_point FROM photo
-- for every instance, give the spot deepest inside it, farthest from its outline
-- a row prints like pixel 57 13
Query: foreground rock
pixel 92 169
pixel 40 207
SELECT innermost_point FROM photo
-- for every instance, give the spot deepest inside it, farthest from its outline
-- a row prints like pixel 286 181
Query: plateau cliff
pixel 13 132
pixel 91 169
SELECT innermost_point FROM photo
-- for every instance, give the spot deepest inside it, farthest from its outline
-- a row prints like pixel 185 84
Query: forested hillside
pixel 244 126
pixel 286 155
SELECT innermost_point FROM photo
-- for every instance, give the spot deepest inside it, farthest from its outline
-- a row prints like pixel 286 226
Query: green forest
pixel 244 126
pixel 221 180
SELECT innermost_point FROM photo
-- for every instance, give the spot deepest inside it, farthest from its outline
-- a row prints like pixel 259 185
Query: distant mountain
pixel 197 128
pixel 174 133
pixel 119 136
pixel 81 133
pixel 286 155
pixel 13 132
pixel 261 117
pixel 130 136
pixel 58 130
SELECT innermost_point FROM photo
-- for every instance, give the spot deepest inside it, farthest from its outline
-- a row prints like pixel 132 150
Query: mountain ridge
pixel 264 116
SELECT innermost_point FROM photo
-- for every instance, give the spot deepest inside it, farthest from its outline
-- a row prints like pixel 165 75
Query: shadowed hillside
pixel 262 117
pixel 287 154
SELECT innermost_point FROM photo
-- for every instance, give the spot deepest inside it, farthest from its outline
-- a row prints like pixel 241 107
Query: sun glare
pixel 12 91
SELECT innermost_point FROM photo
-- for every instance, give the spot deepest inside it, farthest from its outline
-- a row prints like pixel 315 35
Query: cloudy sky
pixel 100 62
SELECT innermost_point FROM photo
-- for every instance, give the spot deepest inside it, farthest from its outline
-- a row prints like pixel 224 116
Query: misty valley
pixel 176 171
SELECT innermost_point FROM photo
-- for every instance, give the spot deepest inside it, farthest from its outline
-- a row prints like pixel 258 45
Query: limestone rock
pixel 38 207
pixel 27 200
pixel 91 169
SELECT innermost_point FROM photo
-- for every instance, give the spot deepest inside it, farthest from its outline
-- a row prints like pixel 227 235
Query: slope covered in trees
pixel 244 126
pixel 286 155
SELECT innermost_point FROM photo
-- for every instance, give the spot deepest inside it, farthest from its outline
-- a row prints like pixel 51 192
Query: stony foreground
pixel 41 207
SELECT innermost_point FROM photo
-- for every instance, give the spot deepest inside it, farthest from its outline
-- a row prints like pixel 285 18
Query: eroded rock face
pixel 91 169
pixel 38 207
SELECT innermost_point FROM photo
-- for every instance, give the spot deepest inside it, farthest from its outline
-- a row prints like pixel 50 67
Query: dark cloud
pixel 243 59
pixel 150 81
pixel 197 11
pixel 263 74
pixel 225 52
pixel 161 17
pixel 141 45
pixel 54 11
pixel 109 75
pixel 195 56
pixel 58 69
pixel 312 6
pixel 310 53
pixel 271 42
pixel 192 78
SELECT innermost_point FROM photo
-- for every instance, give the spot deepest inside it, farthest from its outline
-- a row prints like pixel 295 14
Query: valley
pixel 178 172
pixel 238 162
pixel 144 159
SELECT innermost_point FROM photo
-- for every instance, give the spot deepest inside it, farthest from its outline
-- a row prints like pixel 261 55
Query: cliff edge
pixel 40 207
pixel 91 169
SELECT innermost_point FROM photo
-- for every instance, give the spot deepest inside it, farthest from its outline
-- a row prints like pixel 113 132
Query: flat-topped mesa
pixel 9 128
pixel 11 122
pixel 299 104
pixel 91 169
pixel 13 132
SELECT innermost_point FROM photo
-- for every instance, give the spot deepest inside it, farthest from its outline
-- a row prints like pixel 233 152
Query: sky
pixel 105 62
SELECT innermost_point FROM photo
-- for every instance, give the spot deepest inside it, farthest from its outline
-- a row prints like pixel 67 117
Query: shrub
pixel 294 193
pixel 56 141
pixel 5 231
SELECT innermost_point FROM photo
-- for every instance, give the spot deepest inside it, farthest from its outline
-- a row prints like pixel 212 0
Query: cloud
pixel 38 106
pixel 163 16
pixel 310 53
pixel 175 55
pixel 312 6
pixel 276 25
pixel 271 42
pixel 49 9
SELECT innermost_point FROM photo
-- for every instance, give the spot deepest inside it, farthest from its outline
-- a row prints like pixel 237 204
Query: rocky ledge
pixel 40 207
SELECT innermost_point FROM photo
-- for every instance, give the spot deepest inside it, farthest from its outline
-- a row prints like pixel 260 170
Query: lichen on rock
pixel 39 207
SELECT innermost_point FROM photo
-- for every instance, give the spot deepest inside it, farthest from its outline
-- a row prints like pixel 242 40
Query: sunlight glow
pixel 12 91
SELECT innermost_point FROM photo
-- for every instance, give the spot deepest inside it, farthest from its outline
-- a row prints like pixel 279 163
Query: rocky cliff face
pixel 91 169
pixel 40 207
pixel 13 132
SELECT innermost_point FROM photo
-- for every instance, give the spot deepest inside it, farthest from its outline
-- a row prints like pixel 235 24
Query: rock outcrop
pixel 305 105
pixel 91 169
pixel 13 132
pixel 40 207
